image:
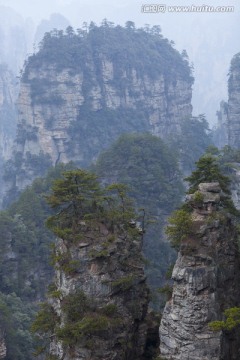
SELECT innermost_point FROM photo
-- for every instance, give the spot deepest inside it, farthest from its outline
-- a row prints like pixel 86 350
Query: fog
pixel 210 38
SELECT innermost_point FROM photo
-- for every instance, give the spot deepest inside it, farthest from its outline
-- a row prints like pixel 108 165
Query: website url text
pixel 162 8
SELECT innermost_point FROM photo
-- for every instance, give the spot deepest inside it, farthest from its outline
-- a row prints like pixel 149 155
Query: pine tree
pixel 78 197
pixel 75 197
pixel 207 170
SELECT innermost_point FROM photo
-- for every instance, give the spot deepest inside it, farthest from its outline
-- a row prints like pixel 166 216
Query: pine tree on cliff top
pixel 207 170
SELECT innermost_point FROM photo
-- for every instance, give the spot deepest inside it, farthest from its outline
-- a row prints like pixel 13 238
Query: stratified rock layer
pixel 206 281
pixel 8 114
pixel 220 131
pixel 72 112
pixel 110 276
pixel 8 118
pixel 234 103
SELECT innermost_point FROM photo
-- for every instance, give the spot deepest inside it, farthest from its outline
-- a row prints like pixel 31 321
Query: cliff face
pixel 220 131
pixel 8 118
pixel 85 90
pixel 165 104
pixel 234 102
pixel 101 297
pixel 235 187
pixel 205 283
pixel 3 350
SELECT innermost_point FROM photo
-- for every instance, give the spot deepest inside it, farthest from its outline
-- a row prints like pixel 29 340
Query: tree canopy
pixel 25 257
pixel 192 141
pixel 147 166
pixel 78 196
pixel 232 320
pixel 150 169
pixel 208 170
pixel 124 45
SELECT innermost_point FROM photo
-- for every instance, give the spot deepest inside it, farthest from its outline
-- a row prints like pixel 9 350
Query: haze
pixel 211 39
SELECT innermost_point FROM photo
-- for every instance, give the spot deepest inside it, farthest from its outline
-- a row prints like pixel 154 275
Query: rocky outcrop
pixel 8 115
pixel 100 297
pixel 234 103
pixel 235 185
pixel 220 131
pixel 3 350
pixel 205 283
pixel 165 103
pixel 8 119
pixel 73 110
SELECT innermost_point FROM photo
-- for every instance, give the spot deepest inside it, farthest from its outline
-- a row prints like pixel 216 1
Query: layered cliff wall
pixel 220 131
pixel 227 131
pixel 8 114
pixel 81 91
pixel 234 103
pixel 205 283
pixel 112 297
pixel 8 118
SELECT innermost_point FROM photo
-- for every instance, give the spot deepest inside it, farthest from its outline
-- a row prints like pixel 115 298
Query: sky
pixel 210 38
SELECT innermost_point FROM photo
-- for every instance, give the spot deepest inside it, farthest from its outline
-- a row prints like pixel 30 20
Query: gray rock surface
pixel 220 130
pixel 8 118
pixel 164 102
pixel 3 349
pixel 213 187
pixel 109 271
pixel 234 103
pixel 205 282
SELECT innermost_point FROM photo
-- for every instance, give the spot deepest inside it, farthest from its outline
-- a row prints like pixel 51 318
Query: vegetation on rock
pixel 102 216
pixel 124 45
pixel 25 270
pixel 192 141
pixel 207 170
pixel 179 228
pixel 232 320
pixel 79 197
pixel 149 168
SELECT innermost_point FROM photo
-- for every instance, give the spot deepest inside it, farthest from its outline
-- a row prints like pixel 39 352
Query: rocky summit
pixel 79 92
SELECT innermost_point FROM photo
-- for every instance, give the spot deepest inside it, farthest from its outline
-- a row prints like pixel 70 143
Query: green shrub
pixel 75 306
pixel 232 316
pixel 124 283
pixel 169 272
pixel 46 320
pixel 180 227
pixel 93 324
pixel 98 254
pixel 110 309
pixel 52 357
pixel 166 290
pixel 198 199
